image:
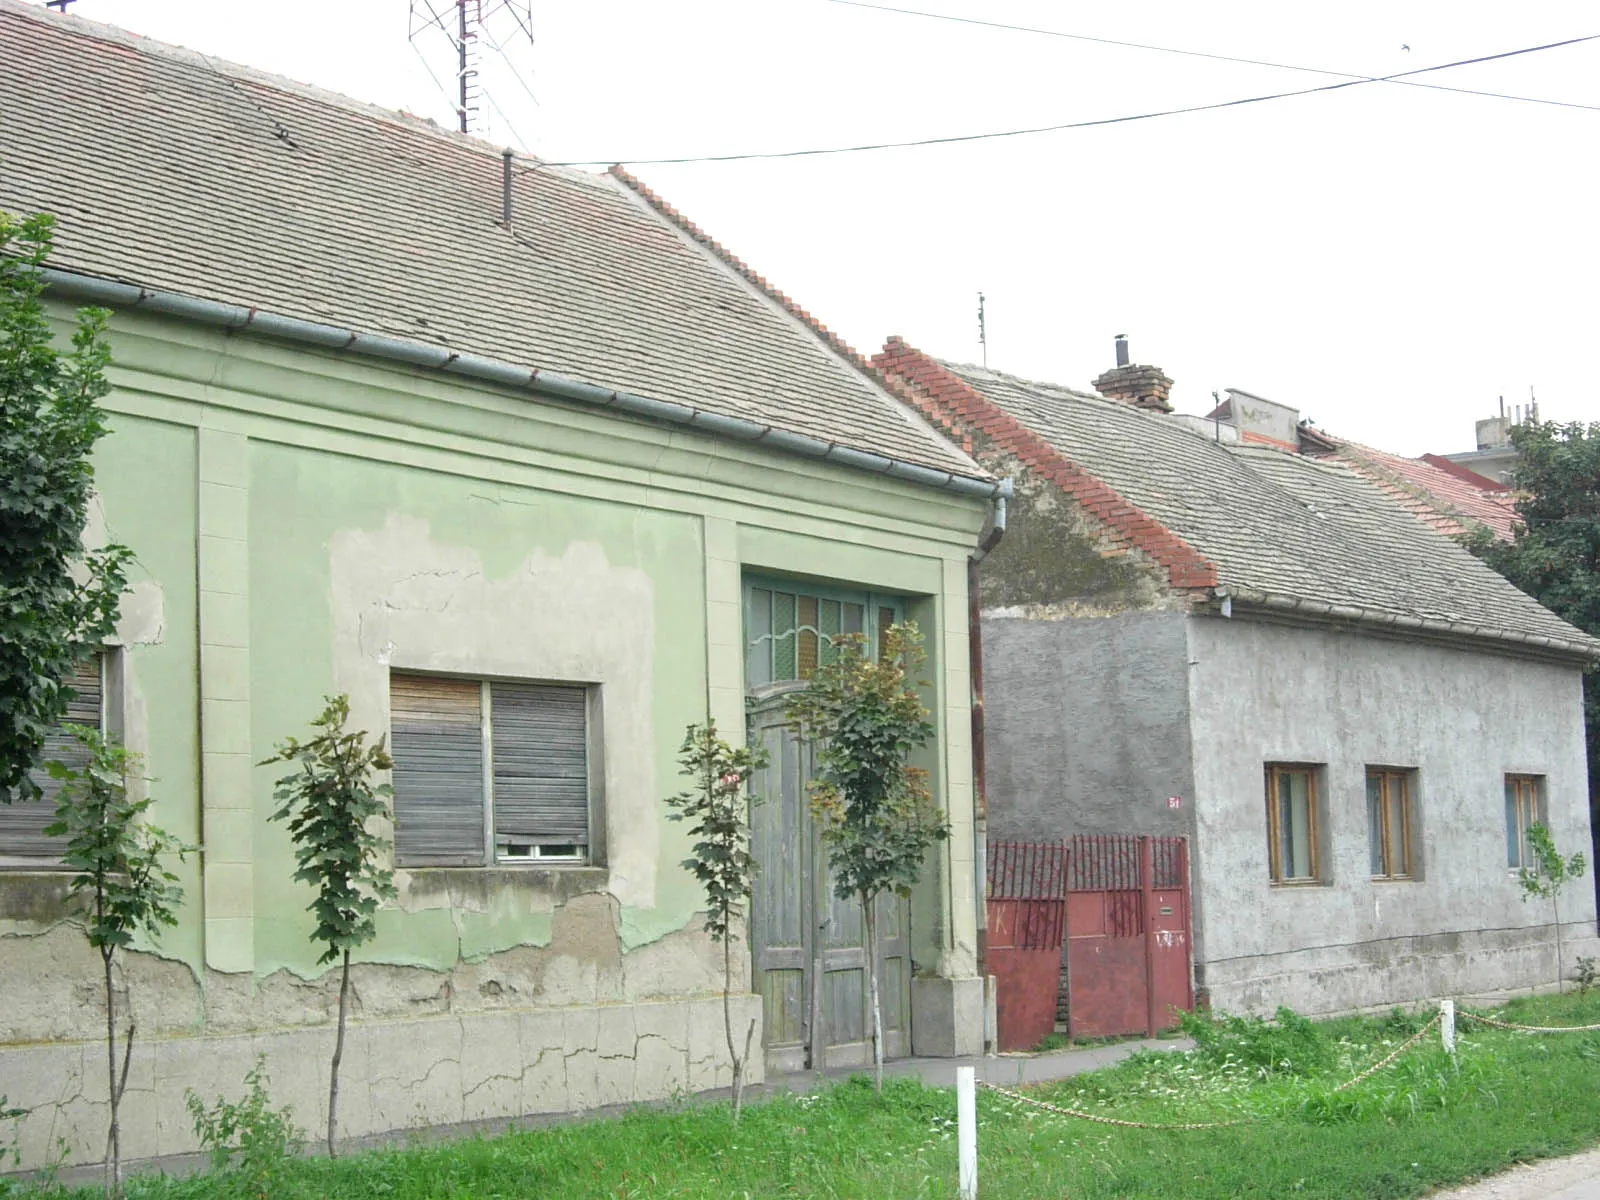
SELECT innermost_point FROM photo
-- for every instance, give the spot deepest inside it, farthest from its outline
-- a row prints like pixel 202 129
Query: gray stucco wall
pixel 1262 693
pixel 1086 725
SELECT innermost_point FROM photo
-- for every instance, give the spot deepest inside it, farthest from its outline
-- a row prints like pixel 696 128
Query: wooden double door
pixel 808 945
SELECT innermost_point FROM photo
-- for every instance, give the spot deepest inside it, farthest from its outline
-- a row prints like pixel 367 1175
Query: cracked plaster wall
pixel 405 601
pixel 566 1027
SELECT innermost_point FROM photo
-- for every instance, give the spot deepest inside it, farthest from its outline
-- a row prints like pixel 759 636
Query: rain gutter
pixel 236 318
pixel 1233 599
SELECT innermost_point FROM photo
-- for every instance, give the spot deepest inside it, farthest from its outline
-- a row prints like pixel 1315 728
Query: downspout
pixel 980 794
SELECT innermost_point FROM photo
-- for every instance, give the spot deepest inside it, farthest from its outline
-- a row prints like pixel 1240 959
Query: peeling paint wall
pixel 305 524
pixel 1263 693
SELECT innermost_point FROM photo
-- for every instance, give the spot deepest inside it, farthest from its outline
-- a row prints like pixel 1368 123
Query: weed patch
pixel 1429 1120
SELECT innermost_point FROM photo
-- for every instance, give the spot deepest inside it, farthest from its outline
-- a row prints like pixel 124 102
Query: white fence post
pixel 967 1131
pixel 1447 1024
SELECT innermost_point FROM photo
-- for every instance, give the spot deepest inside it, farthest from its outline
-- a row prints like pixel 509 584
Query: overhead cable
pixel 955 139
pixel 1227 58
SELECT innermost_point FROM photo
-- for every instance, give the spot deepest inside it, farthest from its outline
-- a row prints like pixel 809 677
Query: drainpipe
pixel 980 801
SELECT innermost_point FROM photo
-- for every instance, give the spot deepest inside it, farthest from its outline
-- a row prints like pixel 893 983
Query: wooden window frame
pixel 1272 773
pixel 1387 777
pixel 1530 789
pixel 593 849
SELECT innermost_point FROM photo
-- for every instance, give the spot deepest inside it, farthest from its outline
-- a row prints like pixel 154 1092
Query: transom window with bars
pixel 23 842
pixel 489 771
pixel 1292 823
pixel 789 627
pixel 1389 822
pixel 1522 810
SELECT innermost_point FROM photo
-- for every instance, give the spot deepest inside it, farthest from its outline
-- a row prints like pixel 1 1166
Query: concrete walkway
pixel 1004 1070
pixel 1575 1178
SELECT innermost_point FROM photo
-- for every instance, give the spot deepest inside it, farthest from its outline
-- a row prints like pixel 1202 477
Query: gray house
pixel 1352 719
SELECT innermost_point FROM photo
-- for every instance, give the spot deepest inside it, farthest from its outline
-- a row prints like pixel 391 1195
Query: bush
pixel 265 1139
pixel 1287 1045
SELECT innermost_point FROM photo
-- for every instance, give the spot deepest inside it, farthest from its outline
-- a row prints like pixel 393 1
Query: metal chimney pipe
pixel 505 186
pixel 1122 349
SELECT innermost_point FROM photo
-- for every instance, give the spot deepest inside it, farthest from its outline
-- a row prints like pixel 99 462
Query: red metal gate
pixel 1027 900
pixel 1128 934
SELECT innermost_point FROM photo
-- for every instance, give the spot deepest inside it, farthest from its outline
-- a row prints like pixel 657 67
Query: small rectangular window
pixel 1292 821
pixel 1389 823
pixel 489 771
pixel 1522 810
pixel 23 822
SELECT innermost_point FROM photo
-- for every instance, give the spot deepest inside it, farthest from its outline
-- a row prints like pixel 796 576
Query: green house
pixel 538 474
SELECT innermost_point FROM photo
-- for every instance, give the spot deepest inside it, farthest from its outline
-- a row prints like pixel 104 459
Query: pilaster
pixel 227 812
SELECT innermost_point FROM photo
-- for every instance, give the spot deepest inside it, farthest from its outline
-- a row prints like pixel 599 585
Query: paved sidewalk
pixel 1006 1070
pixel 1574 1178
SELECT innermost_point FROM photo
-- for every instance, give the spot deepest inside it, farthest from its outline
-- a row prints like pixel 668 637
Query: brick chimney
pixel 1140 386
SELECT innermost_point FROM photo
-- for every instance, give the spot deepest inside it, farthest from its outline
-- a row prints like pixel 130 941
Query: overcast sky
pixel 1389 259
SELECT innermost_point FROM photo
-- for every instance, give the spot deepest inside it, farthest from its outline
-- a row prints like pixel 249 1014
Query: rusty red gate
pixel 1026 887
pixel 1128 934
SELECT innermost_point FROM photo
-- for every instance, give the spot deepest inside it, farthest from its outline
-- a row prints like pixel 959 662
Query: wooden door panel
pixel 808 945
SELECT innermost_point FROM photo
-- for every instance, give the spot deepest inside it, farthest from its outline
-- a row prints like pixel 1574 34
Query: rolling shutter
pixel 541 764
pixel 436 740
pixel 22 823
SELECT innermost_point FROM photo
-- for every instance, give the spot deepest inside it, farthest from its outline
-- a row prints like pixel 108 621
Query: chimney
pixel 1140 386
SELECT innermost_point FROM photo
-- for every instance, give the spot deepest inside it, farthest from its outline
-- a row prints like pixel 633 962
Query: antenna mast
pixel 469 15
pixel 983 332
pixel 468 29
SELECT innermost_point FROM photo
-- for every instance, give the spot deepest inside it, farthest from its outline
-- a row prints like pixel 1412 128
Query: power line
pixel 954 139
pixel 511 67
pixel 1228 58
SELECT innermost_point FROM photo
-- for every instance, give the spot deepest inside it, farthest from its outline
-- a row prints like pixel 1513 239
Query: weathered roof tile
pixel 170 170
pixel 1285 528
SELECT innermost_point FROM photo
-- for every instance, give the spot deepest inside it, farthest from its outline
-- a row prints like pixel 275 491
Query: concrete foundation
pixel 947 1017
pixel 396 1075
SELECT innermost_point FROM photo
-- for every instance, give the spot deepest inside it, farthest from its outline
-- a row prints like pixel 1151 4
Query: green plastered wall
pixel 263 486
pixel 145 475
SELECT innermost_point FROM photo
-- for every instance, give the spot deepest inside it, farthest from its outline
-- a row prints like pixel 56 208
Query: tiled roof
pixel 1444 499
pixel 170 170
pixel 1280 530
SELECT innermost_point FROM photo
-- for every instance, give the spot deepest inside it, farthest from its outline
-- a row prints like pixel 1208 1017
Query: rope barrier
pixel 1396 1053
pixel 1493 1024
pixel 1079 1114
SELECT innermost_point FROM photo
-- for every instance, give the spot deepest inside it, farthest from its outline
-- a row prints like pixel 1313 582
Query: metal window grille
pixel 789 630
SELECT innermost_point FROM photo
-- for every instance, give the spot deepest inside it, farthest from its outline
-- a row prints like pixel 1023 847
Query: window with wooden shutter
pixel 23 841
pixel 487 769
pixel 540 735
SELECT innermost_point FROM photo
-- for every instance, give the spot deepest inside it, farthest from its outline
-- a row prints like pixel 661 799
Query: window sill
pixel 561 881
pixel 1291 885
pixel 1395 879
pixel 37 893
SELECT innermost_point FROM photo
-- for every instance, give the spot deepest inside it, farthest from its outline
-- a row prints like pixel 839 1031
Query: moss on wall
pixel 1054 560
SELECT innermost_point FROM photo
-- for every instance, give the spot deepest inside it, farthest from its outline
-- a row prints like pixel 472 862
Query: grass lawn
pixel 1424 1122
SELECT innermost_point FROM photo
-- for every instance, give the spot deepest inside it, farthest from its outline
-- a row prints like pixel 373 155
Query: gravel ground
pixel 1575 1178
